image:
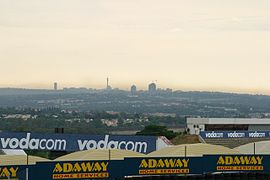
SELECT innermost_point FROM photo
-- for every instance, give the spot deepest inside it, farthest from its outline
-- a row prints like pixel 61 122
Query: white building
pixel 195 125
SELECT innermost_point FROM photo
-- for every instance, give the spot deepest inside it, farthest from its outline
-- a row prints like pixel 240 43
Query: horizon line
pixel 121 89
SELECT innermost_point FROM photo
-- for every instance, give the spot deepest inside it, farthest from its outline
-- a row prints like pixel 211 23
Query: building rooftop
pixel 228 121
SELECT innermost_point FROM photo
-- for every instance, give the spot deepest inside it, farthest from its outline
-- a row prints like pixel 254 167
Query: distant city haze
pixel 211 45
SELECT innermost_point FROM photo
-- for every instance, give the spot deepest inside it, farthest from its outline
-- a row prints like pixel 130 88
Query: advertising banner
pixel 15 172
pixel 77 170
pixel 163 166
pixel 234 134
pixel 243 163
pixel 73 142
pixel 150 166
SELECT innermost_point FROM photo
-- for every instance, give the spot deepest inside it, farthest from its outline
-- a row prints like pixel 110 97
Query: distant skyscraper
pixel 108 87
pixel 152 88
pixel 133 89
pixel 55 86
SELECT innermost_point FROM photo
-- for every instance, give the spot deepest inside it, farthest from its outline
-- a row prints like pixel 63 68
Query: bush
pixel 155 130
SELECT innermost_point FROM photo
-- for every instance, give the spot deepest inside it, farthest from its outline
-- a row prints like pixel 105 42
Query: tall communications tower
pixel 108 86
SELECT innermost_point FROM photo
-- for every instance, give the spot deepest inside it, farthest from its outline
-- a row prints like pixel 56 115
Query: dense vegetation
pixel 207 104
pixel 155 130
pixel 46 120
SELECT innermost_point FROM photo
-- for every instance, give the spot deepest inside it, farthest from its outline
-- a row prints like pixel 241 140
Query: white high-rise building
pixel 55 86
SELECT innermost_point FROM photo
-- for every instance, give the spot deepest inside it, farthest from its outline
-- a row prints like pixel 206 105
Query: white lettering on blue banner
pixel 74 143
pixel 235 134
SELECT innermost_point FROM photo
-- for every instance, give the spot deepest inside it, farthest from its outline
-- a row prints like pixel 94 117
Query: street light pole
pixel 27 162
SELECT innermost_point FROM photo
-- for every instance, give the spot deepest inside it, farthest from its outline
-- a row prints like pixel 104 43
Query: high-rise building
pixel 55 86
pixel 152 88
pixel 108 87
pixel 133 89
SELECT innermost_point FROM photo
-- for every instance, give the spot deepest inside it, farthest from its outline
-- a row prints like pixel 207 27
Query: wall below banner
pixel 223 176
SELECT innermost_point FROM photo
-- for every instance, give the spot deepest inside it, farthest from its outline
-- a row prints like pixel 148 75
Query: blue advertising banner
pixel 148 166
pixel 243 163
pixel 73 142
pixel 15 172
pixel 163 166
pixel 234 134
pixel 77 170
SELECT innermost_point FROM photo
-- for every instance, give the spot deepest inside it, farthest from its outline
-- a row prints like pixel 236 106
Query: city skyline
pixel 183 45
pixel 107 86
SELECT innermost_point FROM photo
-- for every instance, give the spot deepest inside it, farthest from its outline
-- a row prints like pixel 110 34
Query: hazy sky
pixel 210 45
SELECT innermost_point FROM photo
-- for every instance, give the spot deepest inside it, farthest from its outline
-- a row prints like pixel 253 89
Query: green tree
pixel 155 130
